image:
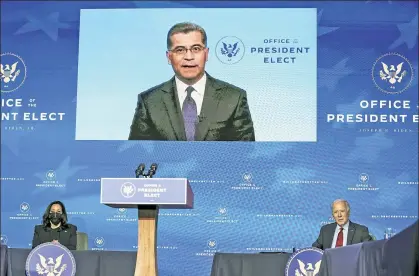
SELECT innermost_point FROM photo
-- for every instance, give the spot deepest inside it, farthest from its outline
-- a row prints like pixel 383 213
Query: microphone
pixel 152 171
pixel 201 118
pixel 140 170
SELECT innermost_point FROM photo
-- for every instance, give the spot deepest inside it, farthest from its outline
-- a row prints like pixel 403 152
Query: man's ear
pixel 168 58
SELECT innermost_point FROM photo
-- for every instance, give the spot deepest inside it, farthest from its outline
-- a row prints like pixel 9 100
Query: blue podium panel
pixel 131 192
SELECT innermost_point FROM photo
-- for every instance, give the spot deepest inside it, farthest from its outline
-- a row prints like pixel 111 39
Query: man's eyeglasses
pixel 181 51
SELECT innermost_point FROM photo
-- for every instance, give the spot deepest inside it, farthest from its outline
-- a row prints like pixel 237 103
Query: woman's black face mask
pixel 55 218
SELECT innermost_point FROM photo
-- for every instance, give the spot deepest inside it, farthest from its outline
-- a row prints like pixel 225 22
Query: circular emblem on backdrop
pixel 128 190
pixel 25 207
pixel 3 239
pixel 122 210
pixel 212 244
pixel 229 50
pixel 50 259
pixel 247 177
pixel 50 175
pixel 363 177
pixel 13 72
pixel 222 211
pixel 99 241
pixel 392 73
pixel 304 262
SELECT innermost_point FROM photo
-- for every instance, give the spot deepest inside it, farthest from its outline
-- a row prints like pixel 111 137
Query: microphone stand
pixel 147 228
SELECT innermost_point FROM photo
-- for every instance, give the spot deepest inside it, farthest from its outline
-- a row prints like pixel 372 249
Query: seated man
pixel 342 232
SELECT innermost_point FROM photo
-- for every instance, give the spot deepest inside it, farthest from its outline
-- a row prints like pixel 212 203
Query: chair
pixel 82 241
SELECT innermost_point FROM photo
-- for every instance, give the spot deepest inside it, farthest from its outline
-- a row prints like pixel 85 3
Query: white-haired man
pixel 343 231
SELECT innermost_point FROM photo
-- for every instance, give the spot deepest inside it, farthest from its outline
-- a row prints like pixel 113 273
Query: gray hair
pixel 185 27
pixel 348 207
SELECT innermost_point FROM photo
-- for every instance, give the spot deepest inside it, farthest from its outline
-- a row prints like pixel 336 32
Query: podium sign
pixel 148 195
pixel 131 192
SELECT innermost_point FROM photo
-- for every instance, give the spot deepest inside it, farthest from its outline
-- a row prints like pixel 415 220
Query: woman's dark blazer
pixel 66 236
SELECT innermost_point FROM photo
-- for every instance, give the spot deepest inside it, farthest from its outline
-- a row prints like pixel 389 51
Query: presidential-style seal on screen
pixel 229 50
pixel 304 262
pixel 12 72
pixel 50 259
pixel 392 73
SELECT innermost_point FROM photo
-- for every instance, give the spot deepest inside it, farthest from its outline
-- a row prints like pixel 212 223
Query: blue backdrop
pixel 249 197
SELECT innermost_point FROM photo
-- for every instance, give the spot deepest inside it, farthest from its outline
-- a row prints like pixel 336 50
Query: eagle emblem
pixel 392 74
pixel 309 271
pixel 8 72
pixel 230 50
pixel 128 190
pixel 222 211
pixel 212 243
pixel 50 268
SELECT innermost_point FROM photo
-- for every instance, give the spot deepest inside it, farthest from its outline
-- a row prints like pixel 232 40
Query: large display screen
pixel 260 68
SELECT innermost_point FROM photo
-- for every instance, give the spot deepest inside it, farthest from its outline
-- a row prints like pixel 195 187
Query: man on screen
pixel 342 232
pixel 192 106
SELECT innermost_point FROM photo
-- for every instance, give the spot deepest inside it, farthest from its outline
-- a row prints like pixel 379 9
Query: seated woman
pixel 55 228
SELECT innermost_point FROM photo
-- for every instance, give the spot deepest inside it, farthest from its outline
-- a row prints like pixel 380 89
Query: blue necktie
pixel 190 115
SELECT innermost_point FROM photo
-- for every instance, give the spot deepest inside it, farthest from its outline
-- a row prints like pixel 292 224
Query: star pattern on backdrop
pixel 368 148
pixel 350 108
pixel 12 138
pixel 330 77
pixel 63 172
pixel 363 60
pixel 322 30
pixel 147 146
pixel 408 34
pixel 50 25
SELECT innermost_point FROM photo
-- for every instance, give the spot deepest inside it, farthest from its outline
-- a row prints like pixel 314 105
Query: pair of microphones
pixel 140 171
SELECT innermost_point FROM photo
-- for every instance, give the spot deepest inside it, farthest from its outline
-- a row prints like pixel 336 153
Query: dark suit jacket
pixel 67 236
pixel 357 233
pixel 225 114
pixel 415 256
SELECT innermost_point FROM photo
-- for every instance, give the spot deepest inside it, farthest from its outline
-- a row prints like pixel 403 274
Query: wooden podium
pixel 148 195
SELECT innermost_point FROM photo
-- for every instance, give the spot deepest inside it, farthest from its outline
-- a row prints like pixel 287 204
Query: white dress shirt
pixel 345 234
pixel 197 94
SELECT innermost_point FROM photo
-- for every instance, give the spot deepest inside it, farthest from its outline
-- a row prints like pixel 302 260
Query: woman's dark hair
pixel 45 217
